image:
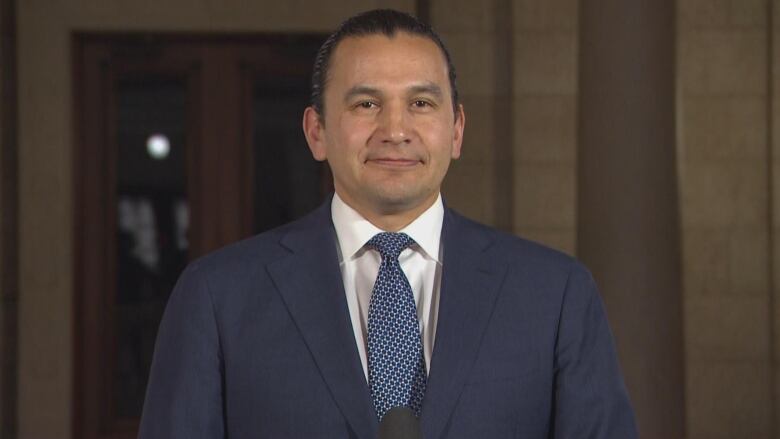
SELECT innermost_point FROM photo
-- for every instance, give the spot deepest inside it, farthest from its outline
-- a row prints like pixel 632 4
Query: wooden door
pixel 184 143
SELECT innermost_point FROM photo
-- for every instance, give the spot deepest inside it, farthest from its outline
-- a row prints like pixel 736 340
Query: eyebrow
pixel 426 88
pixel 361 90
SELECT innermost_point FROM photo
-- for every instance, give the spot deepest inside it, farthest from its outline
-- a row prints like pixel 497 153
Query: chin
pixel 396 201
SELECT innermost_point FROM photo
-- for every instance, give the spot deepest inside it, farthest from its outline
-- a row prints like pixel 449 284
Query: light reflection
pixel 136 217
pixel 158 146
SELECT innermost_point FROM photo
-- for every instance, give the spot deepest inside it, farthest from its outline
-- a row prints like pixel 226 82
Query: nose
pixel 394 124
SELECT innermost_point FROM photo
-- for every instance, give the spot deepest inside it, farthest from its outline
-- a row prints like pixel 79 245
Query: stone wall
pixel 517 64
pixel 724 163
pixel 468 29
pixel 545 121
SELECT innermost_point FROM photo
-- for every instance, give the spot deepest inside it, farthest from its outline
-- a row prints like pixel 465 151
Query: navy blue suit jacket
pixel 256 342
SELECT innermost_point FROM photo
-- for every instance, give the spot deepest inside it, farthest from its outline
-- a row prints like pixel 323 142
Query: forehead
pixel 377 58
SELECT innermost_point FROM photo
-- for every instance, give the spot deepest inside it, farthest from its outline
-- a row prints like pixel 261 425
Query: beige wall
pixel 774 202
pixel 545 120
pixel 724 162
pixel 517 68
pixel 45 133
pixel 467 29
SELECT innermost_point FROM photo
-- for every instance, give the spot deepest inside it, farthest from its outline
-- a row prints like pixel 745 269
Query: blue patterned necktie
pixel 396 366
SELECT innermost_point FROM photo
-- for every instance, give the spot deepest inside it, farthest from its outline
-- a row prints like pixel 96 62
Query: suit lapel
pixel 310 283
pixel 470 282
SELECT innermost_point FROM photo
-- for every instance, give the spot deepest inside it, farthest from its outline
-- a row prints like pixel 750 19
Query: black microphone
pixel 400 423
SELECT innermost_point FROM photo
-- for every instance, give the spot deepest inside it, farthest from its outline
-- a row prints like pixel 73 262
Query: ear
pixel 457 135
pixel 314 131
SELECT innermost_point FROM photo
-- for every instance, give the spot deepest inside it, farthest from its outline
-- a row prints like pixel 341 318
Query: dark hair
pixel 378 21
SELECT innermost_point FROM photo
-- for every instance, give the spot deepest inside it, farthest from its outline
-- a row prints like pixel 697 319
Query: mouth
pixel 393 163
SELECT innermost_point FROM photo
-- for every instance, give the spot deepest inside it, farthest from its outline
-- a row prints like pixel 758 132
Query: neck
pixel 388 218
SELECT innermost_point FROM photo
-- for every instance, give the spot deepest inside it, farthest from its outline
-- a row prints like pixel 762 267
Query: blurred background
pixel 641 136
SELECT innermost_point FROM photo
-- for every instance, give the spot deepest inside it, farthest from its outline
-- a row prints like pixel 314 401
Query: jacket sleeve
pixel 591 401
pixel 184 397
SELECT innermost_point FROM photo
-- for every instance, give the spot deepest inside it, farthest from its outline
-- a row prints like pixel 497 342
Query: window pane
pixel 288 182
pixel 152 223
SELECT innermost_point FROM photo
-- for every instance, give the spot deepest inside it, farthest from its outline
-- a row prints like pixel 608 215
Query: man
pixel 384 297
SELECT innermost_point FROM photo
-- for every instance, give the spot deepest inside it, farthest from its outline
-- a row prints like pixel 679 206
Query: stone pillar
pixel 544 121
pixel 627 214
pixel 723 107
pixel 476 34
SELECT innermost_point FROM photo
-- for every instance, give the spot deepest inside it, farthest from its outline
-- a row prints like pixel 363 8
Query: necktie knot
pixel 390 244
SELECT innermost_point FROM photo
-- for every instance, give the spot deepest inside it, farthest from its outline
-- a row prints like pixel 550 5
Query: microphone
pixel 400 423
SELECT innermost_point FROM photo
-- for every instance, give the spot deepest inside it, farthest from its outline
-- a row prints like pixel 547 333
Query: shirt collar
pixel 353 230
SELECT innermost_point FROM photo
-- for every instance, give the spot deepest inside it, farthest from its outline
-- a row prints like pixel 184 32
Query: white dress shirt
pixel 360 265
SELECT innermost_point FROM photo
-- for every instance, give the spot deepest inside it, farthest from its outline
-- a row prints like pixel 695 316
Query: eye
pixel 367 105
pixel 423 105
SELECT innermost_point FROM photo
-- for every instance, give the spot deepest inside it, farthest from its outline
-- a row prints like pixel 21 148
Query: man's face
pixel 389 131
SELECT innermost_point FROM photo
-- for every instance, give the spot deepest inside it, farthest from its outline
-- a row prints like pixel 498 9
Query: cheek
pixel 354 135
pixel 438 140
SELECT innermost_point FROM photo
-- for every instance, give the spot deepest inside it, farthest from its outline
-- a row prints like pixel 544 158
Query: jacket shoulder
pixel 517 249
pixel 250 253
